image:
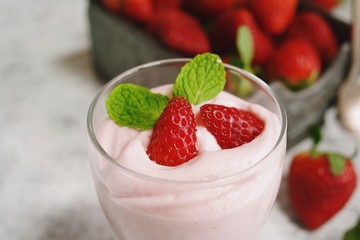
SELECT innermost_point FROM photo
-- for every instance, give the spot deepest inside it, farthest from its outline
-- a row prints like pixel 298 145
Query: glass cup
pixel 139 206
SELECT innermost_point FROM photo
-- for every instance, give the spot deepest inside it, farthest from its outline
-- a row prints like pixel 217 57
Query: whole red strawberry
pixel 319 186
pixel 230 126
pixel 274 15
pixel 180 31
pixel 224 34
pixel 296 63
pixel 208 8
pixel 173 141
pixel 313 27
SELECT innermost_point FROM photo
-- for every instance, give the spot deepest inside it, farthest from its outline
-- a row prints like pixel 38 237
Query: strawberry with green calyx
pixel 319 184
pixel 296 63
pixel 230 126
pixel 312 26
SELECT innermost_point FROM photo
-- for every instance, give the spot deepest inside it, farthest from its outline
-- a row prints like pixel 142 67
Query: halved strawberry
pixel 230 126
pixel 174 141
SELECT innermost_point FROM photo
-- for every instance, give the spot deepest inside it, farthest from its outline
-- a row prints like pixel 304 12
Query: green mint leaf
pixel 245 46
pixel 353 233
pixel 337 163
pixel 201 79
pixel 133 106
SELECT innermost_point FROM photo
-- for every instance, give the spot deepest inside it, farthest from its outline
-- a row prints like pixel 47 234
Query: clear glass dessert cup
pixel 142 207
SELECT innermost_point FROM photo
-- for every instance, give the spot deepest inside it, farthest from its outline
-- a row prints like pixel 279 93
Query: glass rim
pixel 113 82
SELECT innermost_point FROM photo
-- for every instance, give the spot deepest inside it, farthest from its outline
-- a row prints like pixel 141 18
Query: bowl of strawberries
pixel 298 48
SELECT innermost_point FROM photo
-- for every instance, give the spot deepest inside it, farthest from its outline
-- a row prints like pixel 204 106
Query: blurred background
pixel 56 55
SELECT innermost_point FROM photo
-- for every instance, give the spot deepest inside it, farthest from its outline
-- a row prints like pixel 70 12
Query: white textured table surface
pixel 46 85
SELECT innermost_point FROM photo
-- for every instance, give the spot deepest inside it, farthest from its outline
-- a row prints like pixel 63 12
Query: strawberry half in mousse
pixel 173 141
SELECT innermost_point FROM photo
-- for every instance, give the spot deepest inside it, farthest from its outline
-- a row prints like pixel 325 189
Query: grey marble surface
pixel 46 85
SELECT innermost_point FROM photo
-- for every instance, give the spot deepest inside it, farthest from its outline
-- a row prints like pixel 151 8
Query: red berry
pixel 180 31
pixel 274 15
pixel 230 126
pixel 296 63
pixel 138 10
pixel 316 194
pixel 313 27
pixel 174 141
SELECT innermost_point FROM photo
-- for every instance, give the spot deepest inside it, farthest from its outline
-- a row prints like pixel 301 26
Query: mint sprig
pixel 245 47
pixel 201 79
pixel 133 106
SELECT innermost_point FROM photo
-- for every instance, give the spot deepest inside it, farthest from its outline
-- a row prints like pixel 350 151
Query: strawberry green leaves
pixel 337 161
pixel 200 79
pixel 133 106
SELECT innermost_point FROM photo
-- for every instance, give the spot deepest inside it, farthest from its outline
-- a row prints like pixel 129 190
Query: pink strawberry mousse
pixel 211 197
